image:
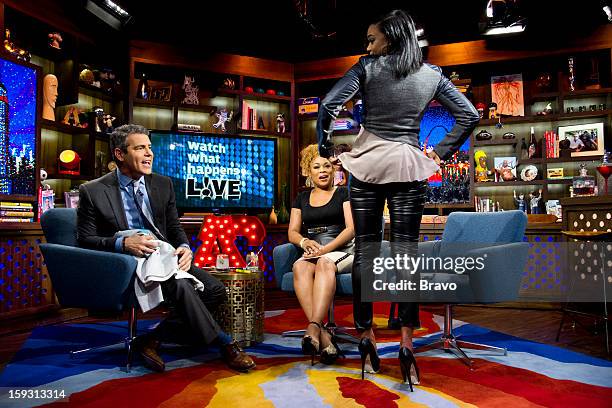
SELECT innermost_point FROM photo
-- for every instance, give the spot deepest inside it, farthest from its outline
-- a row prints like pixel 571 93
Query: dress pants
pixel 406 201
pixel 191 320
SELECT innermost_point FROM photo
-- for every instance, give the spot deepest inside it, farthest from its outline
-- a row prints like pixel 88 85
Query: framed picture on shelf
pixel 554 173
pixel 72 199
pixel 585 140
pixel 161 93
pixel 505 169
pixel 507 93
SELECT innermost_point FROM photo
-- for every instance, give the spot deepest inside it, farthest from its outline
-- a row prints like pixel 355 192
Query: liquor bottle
pixel 533 146
pixel 142 91
pixel 584 184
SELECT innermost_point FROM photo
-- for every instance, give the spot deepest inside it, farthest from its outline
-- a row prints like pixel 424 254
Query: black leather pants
pixel 406 202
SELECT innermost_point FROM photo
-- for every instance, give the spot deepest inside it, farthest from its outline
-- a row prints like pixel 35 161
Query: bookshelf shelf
pixel 61 127
pixel 263 132
pixel 493 142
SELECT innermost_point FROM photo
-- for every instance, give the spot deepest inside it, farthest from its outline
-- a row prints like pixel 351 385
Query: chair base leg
pixel 450 343
pixel 341 332
pixel 127 342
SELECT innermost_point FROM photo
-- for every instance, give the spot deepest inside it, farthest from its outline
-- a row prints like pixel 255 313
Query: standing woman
pixel 386 162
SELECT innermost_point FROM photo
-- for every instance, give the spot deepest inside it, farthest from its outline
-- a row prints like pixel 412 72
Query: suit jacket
pixel 101 214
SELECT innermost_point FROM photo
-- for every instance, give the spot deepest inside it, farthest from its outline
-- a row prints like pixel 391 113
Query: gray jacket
pixel 394 107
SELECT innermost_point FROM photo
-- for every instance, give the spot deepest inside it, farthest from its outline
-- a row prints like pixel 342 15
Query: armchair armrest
pixel 284 256
pixel 500 279
pixel 88 278
pixel 429 248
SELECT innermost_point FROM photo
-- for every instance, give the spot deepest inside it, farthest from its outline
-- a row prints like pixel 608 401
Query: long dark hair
pixel 400 33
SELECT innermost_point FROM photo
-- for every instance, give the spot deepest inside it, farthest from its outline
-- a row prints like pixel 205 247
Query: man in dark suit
pixel 132 197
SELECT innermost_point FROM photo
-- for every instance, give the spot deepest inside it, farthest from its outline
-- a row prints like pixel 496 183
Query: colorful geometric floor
pixel 531 374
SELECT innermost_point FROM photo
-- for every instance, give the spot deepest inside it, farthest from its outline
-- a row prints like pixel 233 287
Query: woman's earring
pixel 308 181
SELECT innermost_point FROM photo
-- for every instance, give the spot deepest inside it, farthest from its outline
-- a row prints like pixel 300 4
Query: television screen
pixel 18 98
pixel 217 172
pixel 451 184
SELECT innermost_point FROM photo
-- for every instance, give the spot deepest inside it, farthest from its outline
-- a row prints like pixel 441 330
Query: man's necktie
pixel 143 210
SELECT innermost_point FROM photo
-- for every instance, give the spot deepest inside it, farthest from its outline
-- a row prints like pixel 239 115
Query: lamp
pixel 109 12
pixel 503 18
pixel 606 6
pixel 69 162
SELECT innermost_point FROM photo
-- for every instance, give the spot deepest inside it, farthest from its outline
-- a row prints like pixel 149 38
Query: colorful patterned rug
pixel 532 374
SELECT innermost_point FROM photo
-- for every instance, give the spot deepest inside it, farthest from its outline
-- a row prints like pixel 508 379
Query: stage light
pixel 109 12
pixel 606 6
pixel 503 18
pixel 420 32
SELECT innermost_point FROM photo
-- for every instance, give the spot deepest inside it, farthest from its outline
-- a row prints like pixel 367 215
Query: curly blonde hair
pixel 307 155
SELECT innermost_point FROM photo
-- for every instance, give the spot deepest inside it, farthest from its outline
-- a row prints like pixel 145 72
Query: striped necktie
pixel 143 209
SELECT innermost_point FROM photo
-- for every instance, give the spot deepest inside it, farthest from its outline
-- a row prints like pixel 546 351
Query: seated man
pixel 132 197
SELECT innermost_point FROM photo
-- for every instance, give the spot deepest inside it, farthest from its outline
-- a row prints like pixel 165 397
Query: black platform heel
pixel 330 354
pixel 409 367
pixel 367 349
pixel 309 345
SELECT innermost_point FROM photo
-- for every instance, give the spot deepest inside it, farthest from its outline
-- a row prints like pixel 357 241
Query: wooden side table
pixel 242 316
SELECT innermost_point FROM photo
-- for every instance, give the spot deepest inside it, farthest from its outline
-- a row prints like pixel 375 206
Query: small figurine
pixel 43 177
pixel 480 107
pixel 191 91
pixel 99 118
pixel 280 123
pixel 260 123
pixel 72 117
pixel 229 83
pixel 520 202
pixel 14 50
pixel 222 117
pixel 534 202
pixel 547 110
pixel 493 110
pixel 108 120
pixel 482 171
pixel 55 39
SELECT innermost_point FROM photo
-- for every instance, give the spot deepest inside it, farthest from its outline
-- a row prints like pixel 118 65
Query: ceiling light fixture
pixel 109 12
pixel 606 6
pixel 503 18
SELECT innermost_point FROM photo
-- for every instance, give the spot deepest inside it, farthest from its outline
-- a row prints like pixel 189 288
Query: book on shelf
pixel 18 214
pixel 15 219
pixel 12 204
pixel 552 144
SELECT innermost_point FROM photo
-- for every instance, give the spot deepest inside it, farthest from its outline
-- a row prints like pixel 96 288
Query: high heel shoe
pixel 330 354
pixel 368 350
pixel 408 365
pixel 310 346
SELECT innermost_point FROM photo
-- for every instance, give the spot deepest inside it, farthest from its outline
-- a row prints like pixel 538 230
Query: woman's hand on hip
pixel 434 156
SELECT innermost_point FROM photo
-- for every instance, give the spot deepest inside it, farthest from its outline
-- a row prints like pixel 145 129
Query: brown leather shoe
pixel 147 347
pixel 236 358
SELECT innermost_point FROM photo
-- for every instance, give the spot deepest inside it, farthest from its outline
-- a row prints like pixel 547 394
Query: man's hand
pixel 139 245
pixel 185 256
pixel 434 156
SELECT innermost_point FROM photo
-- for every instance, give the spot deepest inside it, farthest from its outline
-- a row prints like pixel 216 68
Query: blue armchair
pixel 499 235
pixel 84 278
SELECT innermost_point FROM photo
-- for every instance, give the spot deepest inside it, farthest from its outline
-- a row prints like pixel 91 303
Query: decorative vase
pixel 272 219
pixel 283 214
